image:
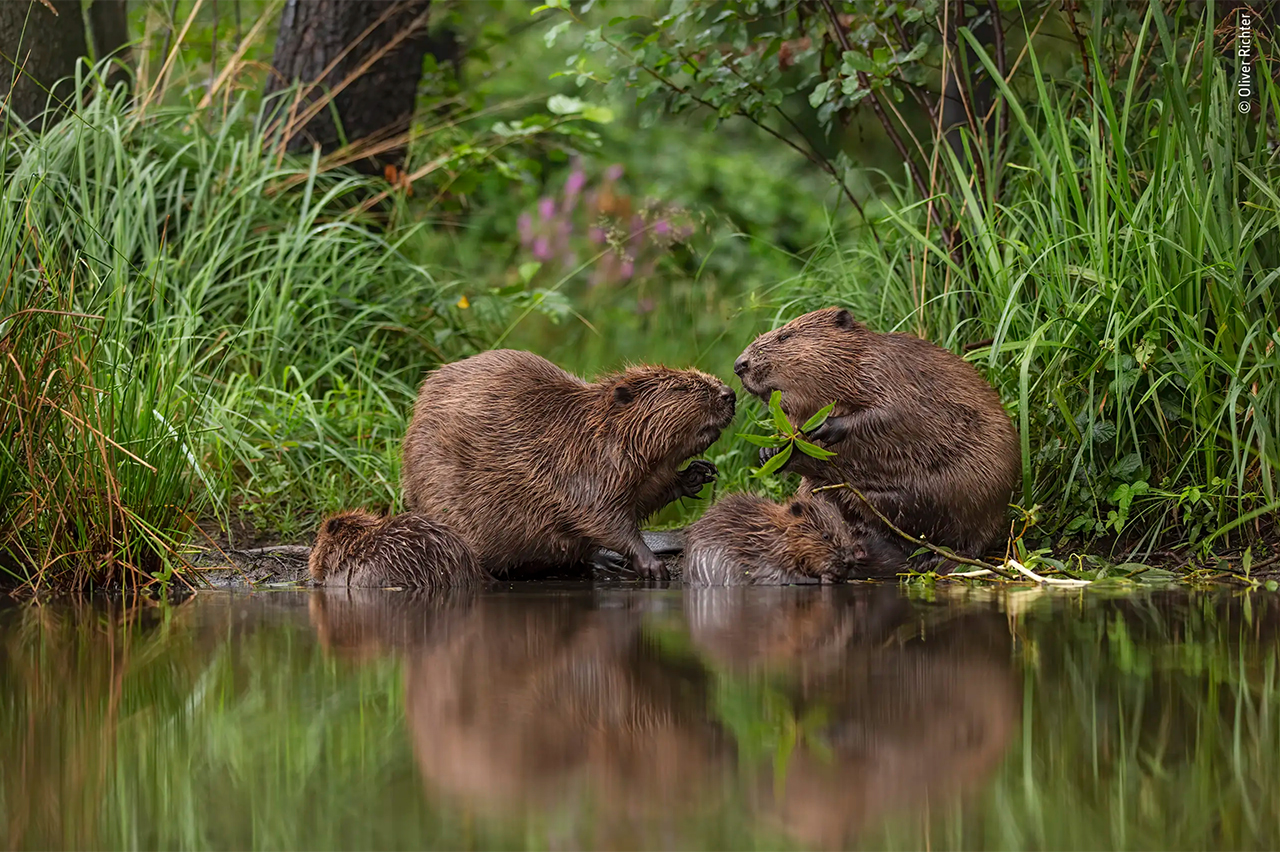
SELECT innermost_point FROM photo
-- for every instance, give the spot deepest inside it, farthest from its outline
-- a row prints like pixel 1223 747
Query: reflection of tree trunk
pixel 45 45
pixel 375 102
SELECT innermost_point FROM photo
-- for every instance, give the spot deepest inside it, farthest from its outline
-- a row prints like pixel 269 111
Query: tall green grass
pixel 192 322
pixel 1121 290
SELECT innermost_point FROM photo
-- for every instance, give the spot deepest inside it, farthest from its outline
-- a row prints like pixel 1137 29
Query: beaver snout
pixel 741 365
pixel 728 397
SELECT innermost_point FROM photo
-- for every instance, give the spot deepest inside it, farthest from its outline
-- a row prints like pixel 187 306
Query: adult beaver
pixel 916 429
pixel 359 548
pixel 748 540
pixel 538 468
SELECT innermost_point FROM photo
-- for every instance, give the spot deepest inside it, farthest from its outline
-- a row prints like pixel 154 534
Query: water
pixel 571 717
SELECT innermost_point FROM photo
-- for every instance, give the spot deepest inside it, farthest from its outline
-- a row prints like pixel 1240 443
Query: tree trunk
pixel 373 103
pixel 41 47
pixel 109 26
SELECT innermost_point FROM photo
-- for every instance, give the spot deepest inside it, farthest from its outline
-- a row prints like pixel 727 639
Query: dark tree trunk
pixel 41 56
pixel 109 26
pixel 373 104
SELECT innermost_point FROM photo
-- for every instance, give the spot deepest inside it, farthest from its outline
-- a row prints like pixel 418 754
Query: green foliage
pixel 787 438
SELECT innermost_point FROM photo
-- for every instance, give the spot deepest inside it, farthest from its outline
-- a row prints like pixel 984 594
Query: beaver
pixel 538 468
pixel 916 429
pixel 748 540
pixel 359 548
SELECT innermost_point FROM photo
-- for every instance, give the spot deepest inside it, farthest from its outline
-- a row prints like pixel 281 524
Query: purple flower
pixel 542 248
pixel 524 225
pixel 661 227
pixel 575 182
pixel 546 208
pixel 613 172
pixel 628 267
pixel 596 235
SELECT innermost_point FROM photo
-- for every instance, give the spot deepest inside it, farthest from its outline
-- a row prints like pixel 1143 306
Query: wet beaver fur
pixel 538 468
pixel 359 548
pixel 915 428
pixel 748 540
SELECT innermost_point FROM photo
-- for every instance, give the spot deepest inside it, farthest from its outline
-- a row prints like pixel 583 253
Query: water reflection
pixel 822 708
pixel 614 718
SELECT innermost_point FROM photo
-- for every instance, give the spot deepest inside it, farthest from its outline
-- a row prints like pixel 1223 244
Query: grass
pixel 195 326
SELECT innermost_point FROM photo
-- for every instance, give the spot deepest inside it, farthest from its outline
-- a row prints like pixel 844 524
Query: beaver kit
pixel 537 468
pixel 359 548
pixel 748 540
pixel 915 428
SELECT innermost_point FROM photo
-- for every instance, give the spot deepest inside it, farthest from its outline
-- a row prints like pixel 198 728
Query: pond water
pixel 551 716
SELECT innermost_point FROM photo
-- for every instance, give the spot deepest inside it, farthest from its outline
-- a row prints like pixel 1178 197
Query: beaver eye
pixel 785 336
pixel 826 536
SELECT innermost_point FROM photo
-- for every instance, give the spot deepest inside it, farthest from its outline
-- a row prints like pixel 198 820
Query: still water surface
pixel 575 717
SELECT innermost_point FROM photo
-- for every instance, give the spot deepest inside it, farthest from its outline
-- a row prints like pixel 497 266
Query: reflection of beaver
pixel 532 703
pixel 916 428
pixel 536 467
pixel 748 540
pixel 359 548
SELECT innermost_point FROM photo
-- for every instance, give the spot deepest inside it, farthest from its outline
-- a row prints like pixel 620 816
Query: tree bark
pixel 109 26
pixel 375 101
pixel 40 47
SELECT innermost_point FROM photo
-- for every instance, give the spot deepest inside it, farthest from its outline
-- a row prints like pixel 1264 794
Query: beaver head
pixel 814 350
pixel 819 541
pixel 335 538
pixel 659 414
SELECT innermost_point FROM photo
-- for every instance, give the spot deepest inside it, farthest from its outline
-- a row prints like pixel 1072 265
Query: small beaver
pixel 916 428
pixel 538 468
pixel 359 548
pixel 748 540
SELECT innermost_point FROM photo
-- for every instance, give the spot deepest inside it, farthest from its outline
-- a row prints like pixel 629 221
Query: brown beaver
pixel 538 468
pixel 359 548
pixel 748 540
pixel 916 428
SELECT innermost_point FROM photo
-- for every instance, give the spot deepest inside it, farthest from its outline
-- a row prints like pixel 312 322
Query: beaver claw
pixel 767 453
pixel 694 477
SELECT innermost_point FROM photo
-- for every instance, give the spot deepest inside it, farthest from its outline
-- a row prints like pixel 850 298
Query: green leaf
pixel 779 416
pixel 763 440
pixel 772 465
pixel 563 105
pixel 528 270
pixel 820 92
pixel 597 114
pixel 813 450
pixel 818 419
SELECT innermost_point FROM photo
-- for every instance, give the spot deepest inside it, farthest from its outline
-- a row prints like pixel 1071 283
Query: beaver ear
pixel 796 508
pixel 623 394
pixel 844 319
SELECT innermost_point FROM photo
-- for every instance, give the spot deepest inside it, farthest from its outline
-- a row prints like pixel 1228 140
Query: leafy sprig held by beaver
pixel 787 438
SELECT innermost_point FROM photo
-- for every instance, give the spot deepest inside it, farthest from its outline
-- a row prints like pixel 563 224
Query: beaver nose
pixel 727 394
pixel 740 366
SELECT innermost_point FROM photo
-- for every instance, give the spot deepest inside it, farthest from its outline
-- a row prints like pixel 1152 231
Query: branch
pixel 876 107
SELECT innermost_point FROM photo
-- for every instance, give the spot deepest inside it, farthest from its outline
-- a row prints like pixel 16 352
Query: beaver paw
pixel 767 453
pixel 833 431
pixel 650 567
pixel 697 475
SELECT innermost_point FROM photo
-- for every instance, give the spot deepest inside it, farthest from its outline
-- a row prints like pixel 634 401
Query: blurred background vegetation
pixel 217 303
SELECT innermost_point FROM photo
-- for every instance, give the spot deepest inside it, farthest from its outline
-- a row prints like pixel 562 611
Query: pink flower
pixel 542 248
pixel 661 227
pixel 613 172
pixel 546 209
pixel 524 224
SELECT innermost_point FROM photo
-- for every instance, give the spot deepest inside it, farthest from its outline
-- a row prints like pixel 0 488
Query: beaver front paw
pixel 696 476
pixel 833 431
pixel 650 567
pixel 767 453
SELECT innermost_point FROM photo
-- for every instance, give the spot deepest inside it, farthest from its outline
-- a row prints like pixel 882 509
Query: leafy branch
pixel 787 437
